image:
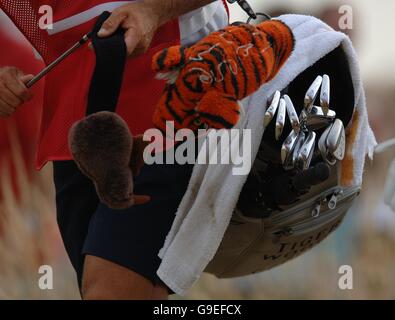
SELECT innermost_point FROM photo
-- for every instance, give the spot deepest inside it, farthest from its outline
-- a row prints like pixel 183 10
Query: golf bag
pixel 282 213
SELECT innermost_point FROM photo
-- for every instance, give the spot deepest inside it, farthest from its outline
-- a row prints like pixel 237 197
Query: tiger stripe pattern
pixel 206 81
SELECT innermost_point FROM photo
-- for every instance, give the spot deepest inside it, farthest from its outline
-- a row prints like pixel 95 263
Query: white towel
pixel 196 24
pixel 208 204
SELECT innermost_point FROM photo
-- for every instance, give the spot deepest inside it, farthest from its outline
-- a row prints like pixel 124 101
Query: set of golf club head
pixel 301 145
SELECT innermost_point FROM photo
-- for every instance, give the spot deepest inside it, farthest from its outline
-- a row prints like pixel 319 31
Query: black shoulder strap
pixel 108 74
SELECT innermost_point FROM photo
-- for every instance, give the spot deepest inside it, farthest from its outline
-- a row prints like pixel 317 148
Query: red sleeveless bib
pixel 66 87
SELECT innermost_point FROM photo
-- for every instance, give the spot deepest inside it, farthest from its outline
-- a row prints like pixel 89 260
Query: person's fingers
pixel 26 78
pixel 137 52
pixel 141 199
pixel 5 109
pixel 9 97
pixel 3 115
pixel 132 39
pixel 17 87
pixel 112 23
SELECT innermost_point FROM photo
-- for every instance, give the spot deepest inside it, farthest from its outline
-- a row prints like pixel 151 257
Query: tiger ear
pixel 169 59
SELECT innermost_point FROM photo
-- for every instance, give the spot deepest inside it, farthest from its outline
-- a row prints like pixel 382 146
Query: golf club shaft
pixel 385 146
pixel 47 69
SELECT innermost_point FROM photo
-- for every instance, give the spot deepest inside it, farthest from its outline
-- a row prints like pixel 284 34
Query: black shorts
pixel 131 238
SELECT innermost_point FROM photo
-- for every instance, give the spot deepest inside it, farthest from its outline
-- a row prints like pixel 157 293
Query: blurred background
pixel 29 235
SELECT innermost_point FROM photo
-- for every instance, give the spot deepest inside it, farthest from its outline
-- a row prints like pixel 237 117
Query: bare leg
pixel 104 280
pixel 160 293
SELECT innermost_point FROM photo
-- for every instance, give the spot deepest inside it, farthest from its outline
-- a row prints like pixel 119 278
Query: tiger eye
pixel 197 122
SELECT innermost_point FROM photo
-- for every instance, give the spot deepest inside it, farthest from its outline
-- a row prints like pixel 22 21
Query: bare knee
pixel 104 280
pixel 160 292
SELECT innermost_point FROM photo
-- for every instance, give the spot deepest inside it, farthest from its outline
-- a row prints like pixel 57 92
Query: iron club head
pixel 271 111
pixel 332 143
pixel 280 122
pixel 312 93
pixel 317 119
pixel 298 146
pixel 322 147
pixel 336 140
pixel 325 94
pixel 288 148
pixel 292 115
pixel 306 151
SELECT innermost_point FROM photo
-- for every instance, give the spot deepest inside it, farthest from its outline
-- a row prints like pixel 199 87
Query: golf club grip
pixel 311 177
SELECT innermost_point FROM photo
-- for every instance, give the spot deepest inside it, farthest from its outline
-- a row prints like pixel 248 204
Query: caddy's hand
pixel 140 21
pixel 13 91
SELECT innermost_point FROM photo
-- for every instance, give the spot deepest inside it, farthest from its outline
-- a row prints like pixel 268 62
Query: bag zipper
pixel 330 199
pixel 300 228
pixel 307 225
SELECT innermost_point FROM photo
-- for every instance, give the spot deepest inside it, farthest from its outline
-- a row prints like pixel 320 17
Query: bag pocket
pixel 276 240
